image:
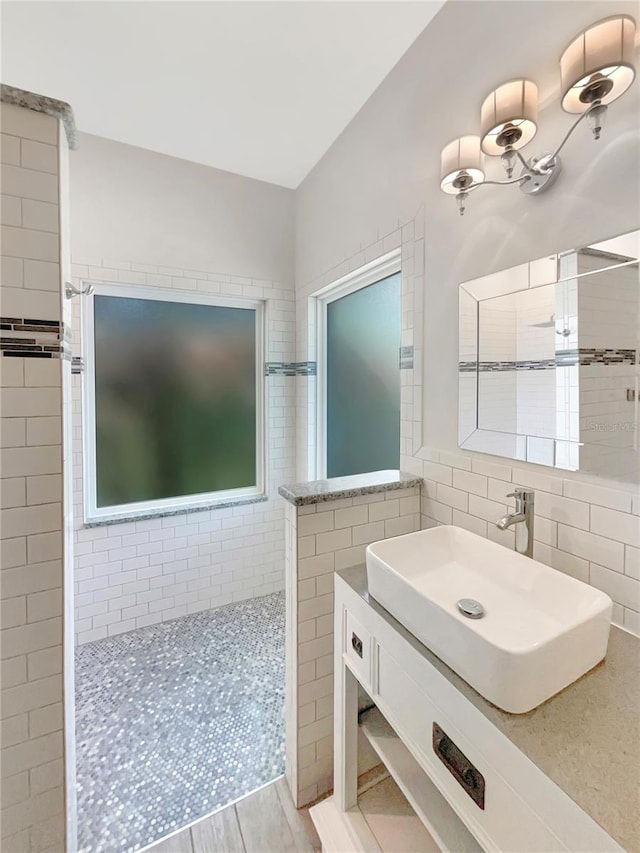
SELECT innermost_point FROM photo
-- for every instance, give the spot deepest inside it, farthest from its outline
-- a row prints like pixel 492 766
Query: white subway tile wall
pixel 322 539
pixel 138 573
pixel 31 580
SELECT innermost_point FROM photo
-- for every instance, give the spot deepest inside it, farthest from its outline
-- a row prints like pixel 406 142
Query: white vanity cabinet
pixel 470 785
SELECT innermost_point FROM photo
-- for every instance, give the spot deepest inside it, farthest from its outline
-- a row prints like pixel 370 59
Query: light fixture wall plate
pixel 542 172
pixel 598 65
pixel 508 117
pixel 460 165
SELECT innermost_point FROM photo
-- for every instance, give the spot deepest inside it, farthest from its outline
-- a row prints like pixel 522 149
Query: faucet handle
pixel 522 495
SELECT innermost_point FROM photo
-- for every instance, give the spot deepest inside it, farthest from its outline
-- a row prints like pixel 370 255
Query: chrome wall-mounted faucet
pixel 523 515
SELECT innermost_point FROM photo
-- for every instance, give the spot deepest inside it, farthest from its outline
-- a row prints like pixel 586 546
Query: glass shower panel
pixel 363 380
pixel 175 391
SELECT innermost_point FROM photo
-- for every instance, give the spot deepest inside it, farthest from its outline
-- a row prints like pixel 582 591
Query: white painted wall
pixel 142 218
pixel 383 173
pixel 130 203
pixel 386 165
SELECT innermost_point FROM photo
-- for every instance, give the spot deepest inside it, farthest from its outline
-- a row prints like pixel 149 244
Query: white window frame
pixel 164 506
pixel 370 273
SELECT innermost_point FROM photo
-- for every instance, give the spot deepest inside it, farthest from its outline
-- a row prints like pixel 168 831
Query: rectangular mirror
pixel 549 360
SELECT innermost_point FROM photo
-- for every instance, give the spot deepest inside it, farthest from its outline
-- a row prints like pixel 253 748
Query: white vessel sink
pixel 541 629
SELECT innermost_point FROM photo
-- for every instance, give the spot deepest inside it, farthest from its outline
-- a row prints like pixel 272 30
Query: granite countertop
pixel 585 738
pixel 335 488
pixel 43 104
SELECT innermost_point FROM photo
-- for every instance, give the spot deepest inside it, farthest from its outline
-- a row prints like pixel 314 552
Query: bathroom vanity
pixel 564 776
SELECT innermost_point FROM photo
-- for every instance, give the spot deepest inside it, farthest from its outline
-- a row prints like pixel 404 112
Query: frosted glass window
pixel 175 399
pixel 363 380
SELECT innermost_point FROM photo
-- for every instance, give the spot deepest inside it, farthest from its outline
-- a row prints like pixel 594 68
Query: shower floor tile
pixel 176 720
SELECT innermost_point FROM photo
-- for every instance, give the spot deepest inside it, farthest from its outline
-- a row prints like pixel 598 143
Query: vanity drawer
pixel 498 817
pixel 358 648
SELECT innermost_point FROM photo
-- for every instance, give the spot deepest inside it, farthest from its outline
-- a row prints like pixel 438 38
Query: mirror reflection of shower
pixel 549 355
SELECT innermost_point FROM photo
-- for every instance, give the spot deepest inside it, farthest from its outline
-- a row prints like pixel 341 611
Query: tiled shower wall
pixel 139 573
pixel 321 539
pixel 31 546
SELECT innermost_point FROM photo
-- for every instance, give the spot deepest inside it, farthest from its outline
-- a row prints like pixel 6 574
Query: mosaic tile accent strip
pixel 567 357
pixel 34 351
pixel 177 720
pixel 563 358
pixel 290 368
pixel 280 368
pixel 504 366
pixel 406 358
pixel 28 325
pixel 30 338
pixel 608 356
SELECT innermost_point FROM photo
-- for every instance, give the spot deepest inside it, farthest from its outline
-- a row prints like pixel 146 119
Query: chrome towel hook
pixel 70 290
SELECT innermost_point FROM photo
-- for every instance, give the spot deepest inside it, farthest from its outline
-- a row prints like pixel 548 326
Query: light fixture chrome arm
pixel 463 194
pixel 597 105
pixel 517 180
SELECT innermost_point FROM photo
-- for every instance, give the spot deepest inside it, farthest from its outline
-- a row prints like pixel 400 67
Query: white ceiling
pixel 258 88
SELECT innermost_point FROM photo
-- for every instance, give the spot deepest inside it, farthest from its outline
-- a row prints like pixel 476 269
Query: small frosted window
pixel 363 380
pixel 175 396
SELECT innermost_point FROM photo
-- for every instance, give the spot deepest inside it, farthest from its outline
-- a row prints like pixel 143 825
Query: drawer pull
pixel 457 763
pixel 356 644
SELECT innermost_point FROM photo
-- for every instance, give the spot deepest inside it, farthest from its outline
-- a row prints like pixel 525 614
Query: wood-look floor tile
pixel 219 833
pixel 300 823
pixel 180 843
pixel 263 823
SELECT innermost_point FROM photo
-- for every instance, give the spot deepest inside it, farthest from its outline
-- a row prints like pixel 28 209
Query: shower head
pixel 550 324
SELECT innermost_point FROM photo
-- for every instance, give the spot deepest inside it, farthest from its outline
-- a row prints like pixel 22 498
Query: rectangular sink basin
pixel 540 629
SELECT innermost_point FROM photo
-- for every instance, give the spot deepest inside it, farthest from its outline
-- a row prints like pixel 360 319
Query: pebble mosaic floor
pixel 176 720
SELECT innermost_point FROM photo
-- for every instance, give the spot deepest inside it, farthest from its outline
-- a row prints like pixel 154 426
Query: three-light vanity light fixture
pixel 596 68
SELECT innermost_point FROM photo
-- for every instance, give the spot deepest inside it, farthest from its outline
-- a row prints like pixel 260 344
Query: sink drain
pixel 471 608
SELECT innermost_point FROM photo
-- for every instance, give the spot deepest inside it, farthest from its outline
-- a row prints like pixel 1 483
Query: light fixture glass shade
pixel 460 165
pixel 598 64
pixel 508 116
